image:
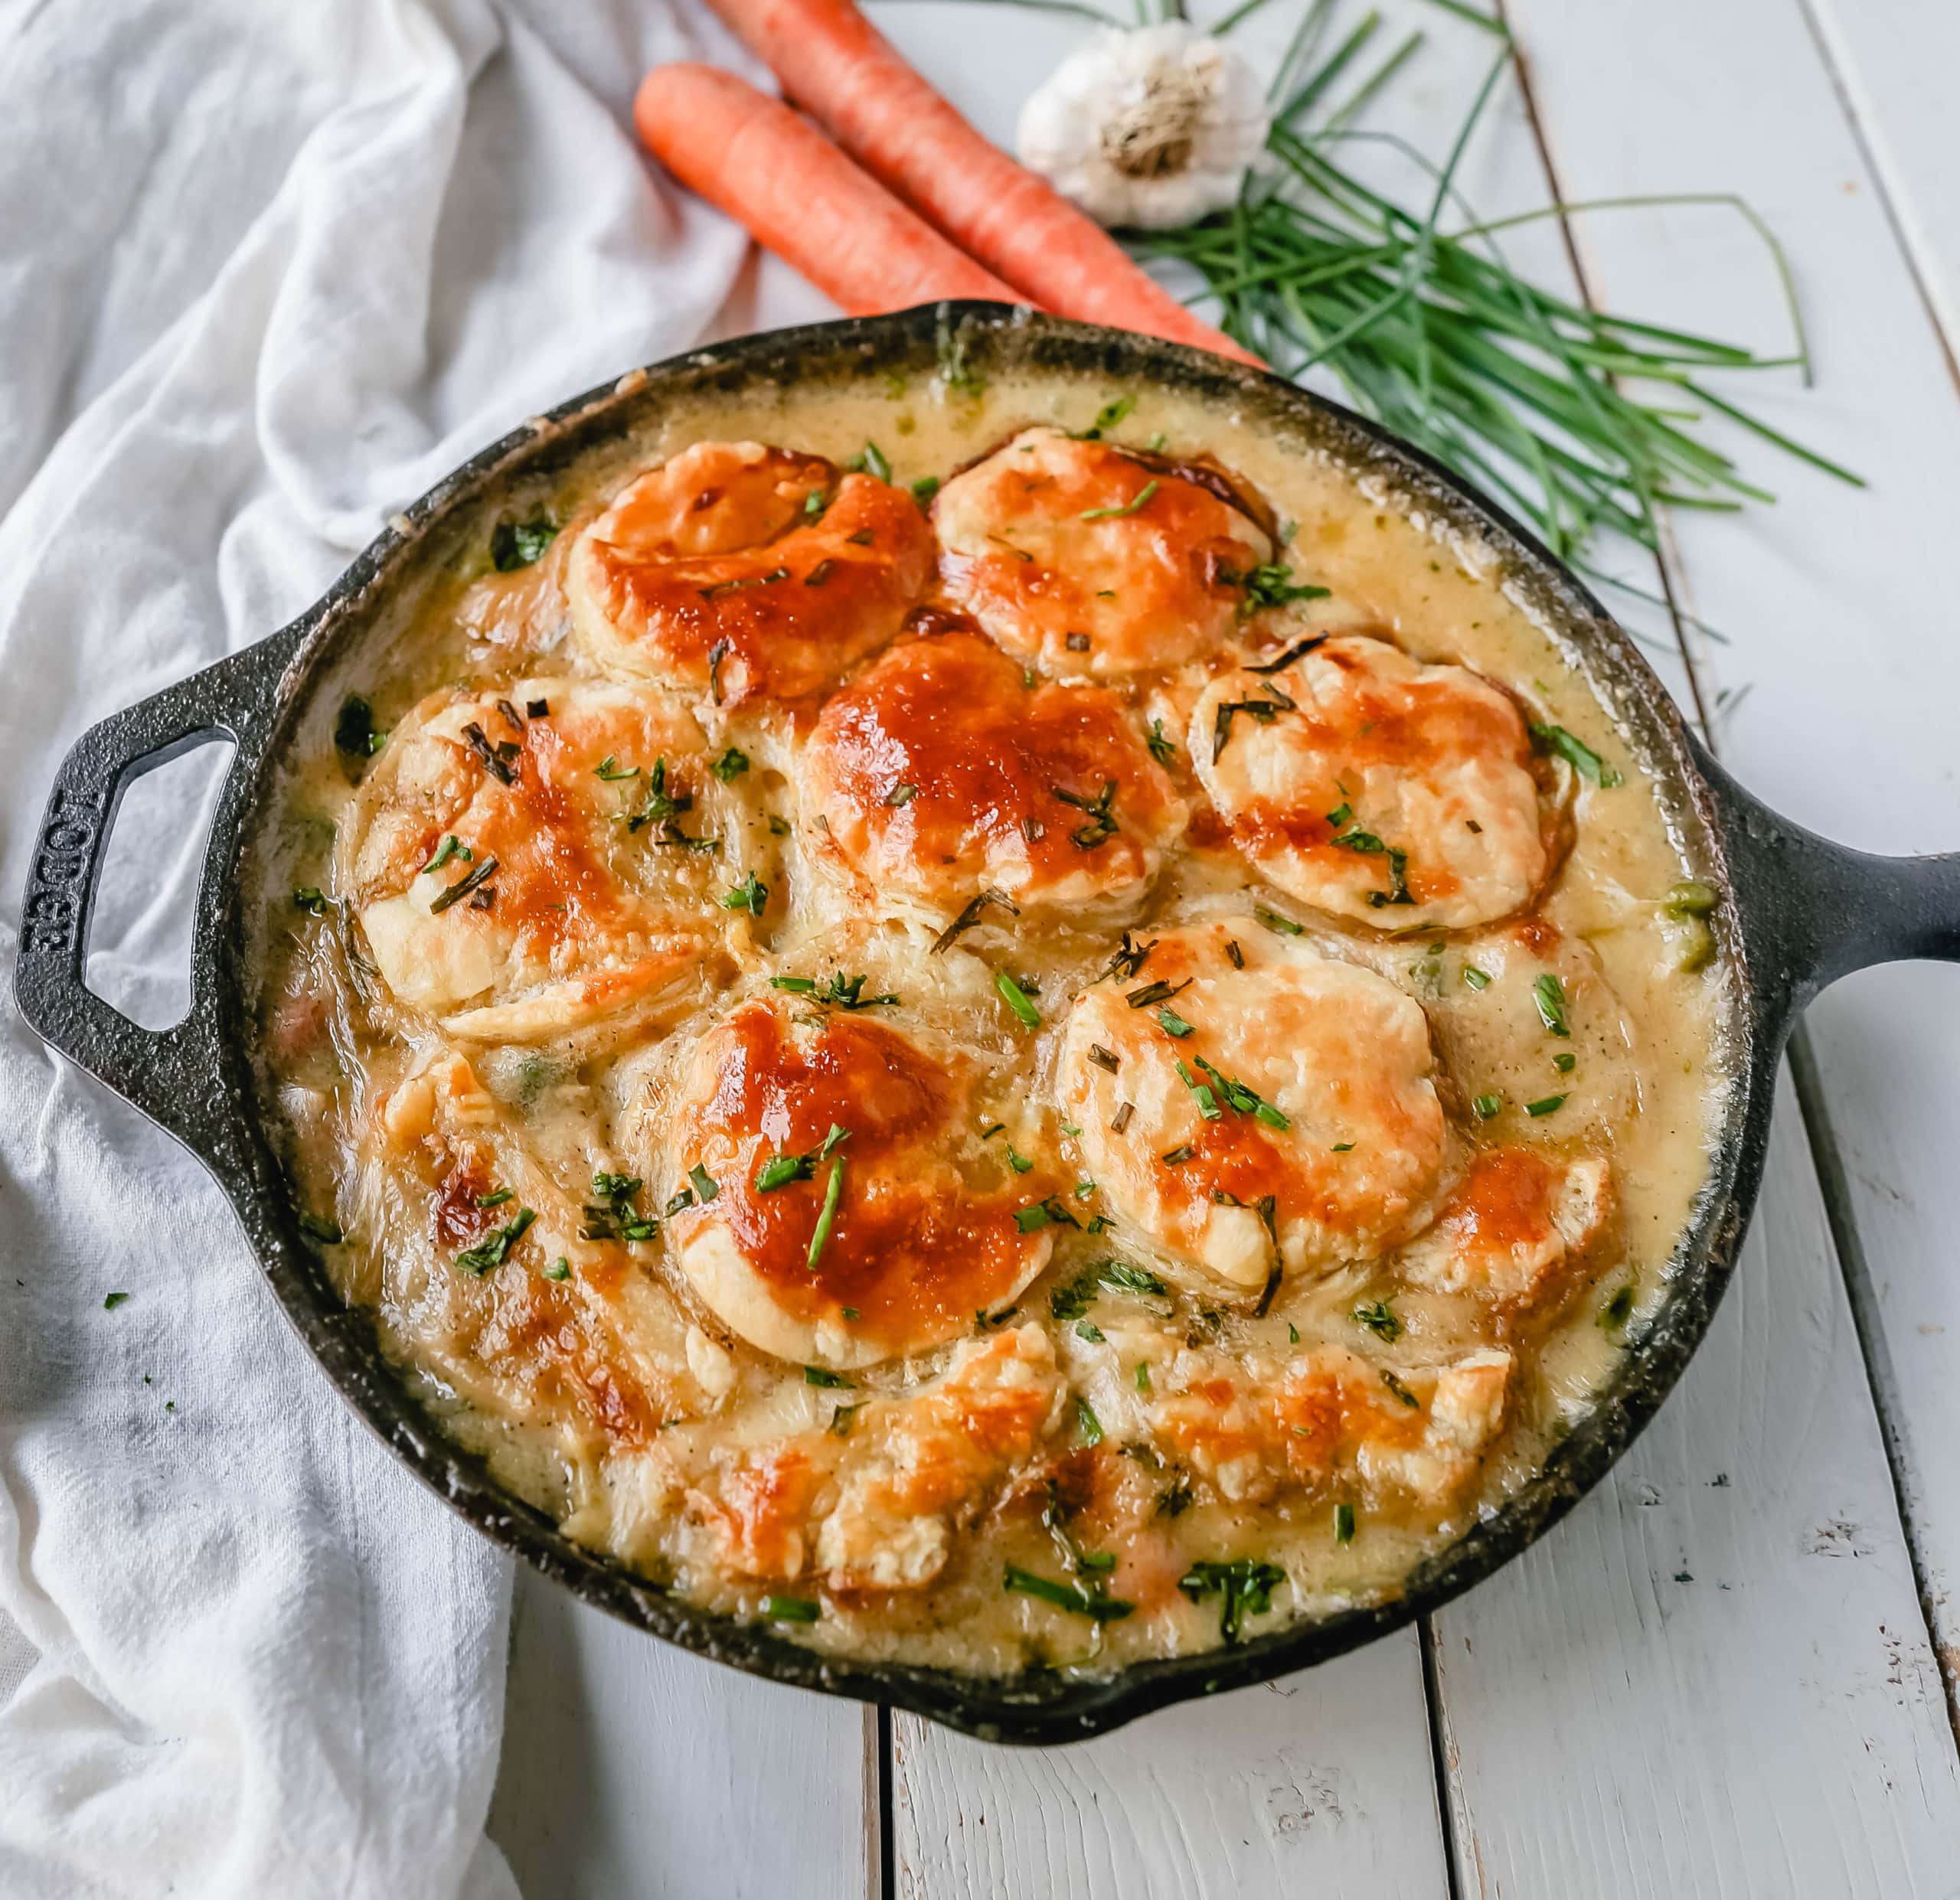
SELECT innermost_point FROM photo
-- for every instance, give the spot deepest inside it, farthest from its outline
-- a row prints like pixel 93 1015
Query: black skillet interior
pixel 1794 912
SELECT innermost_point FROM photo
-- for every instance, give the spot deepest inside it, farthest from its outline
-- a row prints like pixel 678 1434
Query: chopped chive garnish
pixel 1172 1023
pixel 750 895
pixel 311 900
pixel 925 488
pixel 1343 1523
pixel 451 846
pixel 844 1416
pixel 1690 899
pixel 1065 1596
pixel 495 1250
pixel 1031 1219
pixel 830 1381
pixel 515 544
pixel 1565 1062
pixel 1401 1391
pixel 1141 500
pixel 1486 1106
pixel 1163 748
pixel 1577 754
pixel 326 1232
pixel 1019 1162
pixel 1016 998
pixel 1549 994
pixel 496 1198
pixel 704 1183
pixel 462 888
pixel 1618 1309
pixel 791 1609
pixel 970 917
pixel 874 462
pixel 1208 1103
pixel 110 1301
pixel 560 1269
pixel 1544 1105
pixel 1474 978
pixel 826 1215
pixel 1084 1416
pixel 731 765
pixel 1120 1119
pixel 612 771
pixel 1142 1375
pixel 1089 1330
pixel 1244 1588
pixel 901 794
pixel 1379 1319
pixel 1292 1334
pixel 1273 920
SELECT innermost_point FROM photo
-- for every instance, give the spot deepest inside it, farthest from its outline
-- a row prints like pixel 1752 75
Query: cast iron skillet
pixel 1795 913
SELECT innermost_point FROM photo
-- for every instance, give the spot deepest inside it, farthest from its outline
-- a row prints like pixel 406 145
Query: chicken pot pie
pixel 1006 1028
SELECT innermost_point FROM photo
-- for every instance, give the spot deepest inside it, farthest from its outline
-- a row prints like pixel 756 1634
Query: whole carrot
pixel 774 173
pixel 833 62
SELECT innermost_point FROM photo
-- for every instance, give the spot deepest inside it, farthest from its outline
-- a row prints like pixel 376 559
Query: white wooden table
pixel 1722 1674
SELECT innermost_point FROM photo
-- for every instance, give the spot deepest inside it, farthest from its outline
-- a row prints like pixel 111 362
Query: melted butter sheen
pixel 883 1195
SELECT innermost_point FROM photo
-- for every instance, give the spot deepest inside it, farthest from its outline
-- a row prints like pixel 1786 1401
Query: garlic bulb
pixel 1150 126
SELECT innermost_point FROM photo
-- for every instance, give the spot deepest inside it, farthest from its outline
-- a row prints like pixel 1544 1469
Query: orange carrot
pixel 776 174
pixel 836 65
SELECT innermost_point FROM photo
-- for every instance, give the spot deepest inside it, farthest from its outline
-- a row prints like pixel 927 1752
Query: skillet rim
pixel 1039 1706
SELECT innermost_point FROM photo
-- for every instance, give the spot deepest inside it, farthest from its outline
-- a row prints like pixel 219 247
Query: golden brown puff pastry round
pixel 747 573
pixel 1089 561
pixel 845 1211
pixel 1373 787
pixel 941 771
pixel 520 860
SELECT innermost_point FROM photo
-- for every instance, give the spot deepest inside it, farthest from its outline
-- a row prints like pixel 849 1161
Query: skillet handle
pixel 1811 911
pixel 173 1075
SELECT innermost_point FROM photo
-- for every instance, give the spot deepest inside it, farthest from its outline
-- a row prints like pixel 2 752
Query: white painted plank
pixel 633 1771
pixel 1315 1785
pixel 1321 1784
pixel 1838 604
pixel 1895 61
pixel 1713 1679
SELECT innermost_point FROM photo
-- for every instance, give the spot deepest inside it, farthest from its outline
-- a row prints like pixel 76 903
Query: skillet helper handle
pixel 171 1074
pixel 1812 911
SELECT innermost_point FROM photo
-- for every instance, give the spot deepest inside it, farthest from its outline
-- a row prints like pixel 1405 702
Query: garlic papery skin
pixel 1149 126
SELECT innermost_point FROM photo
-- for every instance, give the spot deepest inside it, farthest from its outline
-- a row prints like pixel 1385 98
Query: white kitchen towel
pixel 266 272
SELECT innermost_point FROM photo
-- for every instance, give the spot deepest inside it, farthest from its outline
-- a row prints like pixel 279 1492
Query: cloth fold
pixel 265 274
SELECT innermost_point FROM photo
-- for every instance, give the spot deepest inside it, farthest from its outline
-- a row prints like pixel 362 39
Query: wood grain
pixel 633 1771
pixel 1837 604
pixel 1321 1783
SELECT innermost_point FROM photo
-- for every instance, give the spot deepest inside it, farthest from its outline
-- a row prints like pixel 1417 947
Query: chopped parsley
pixel 1244 1588
pixel 1369 845
pixel 731 765
pixel 1163 748
pixel 705 1186
pixel 750 895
